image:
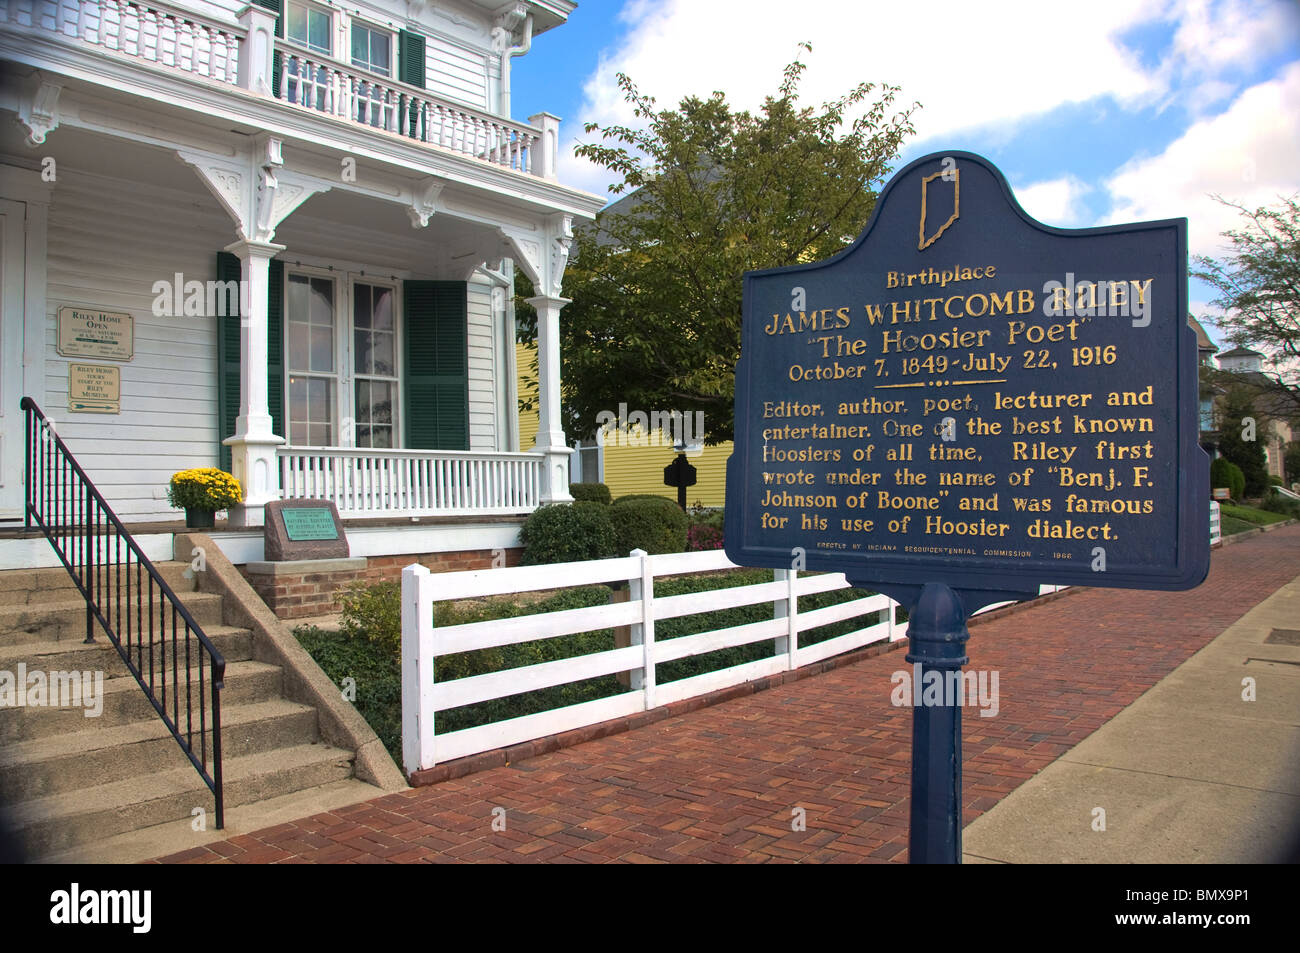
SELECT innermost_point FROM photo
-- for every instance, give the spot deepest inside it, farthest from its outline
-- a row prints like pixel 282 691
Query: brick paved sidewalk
pixel 722 783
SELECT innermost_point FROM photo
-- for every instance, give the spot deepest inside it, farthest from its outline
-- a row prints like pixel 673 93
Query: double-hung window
pixel 313 365
pixel 374 363
pixel 372 49
pixel 343 385
pixel 309 26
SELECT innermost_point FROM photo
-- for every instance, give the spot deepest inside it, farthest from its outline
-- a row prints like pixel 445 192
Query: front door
pixel 11 359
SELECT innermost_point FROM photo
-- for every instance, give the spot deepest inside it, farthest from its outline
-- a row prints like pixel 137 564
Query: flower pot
pixel 199 519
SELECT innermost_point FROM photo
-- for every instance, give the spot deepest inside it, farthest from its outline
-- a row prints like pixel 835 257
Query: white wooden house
pixel 356 170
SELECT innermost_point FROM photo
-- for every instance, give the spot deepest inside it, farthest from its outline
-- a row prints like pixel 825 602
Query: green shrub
pixel 568 532
pixel 1275 480
pixel 705 529
pixel 373 612
pixel 590 492
pixel 1226 473
pixel 377 671
pixel 652 523
pixel 1277 503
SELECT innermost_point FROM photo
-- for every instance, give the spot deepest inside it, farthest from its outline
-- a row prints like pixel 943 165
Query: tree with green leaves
pixel 1259 287
pixel 714 192
pixel 1241 436
pixel 1291 462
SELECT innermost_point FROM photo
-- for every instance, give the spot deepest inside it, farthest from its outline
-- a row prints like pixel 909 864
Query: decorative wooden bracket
pixel 38 108
pixel 252 189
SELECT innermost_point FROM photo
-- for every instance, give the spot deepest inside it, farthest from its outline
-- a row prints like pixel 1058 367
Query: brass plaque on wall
pixel 86 332
pixel 94 389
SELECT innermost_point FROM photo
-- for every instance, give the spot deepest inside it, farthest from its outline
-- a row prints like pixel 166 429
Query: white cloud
pixel 969 64
pixel 1056 201
pixel 987 66
pixel 1247 154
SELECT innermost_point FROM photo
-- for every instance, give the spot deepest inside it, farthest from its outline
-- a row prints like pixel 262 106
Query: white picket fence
pixel 422 643
pixel 1216 529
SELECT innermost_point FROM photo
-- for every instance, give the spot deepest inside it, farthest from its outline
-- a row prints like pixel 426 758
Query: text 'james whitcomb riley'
pixel 56 689
pixel 76 906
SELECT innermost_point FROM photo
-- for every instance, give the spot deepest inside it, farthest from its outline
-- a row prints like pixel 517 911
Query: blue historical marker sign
pixel 969 397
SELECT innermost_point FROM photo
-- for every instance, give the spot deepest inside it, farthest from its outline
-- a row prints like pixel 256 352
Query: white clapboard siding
pixel 484 385
pixel 109 241
pixel 423 642
pixel 456 72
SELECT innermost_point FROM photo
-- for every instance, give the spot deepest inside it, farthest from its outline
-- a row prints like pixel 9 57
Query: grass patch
pixel 1230 526
pixel 1249 514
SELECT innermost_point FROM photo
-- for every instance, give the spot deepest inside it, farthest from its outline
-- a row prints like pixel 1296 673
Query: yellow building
pixel 628 462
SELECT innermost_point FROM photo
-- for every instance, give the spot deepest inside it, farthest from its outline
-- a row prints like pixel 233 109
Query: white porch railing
pixel 423 696
pixel 153 32
pixel 381 103
pixel 375 483
pixel 173 37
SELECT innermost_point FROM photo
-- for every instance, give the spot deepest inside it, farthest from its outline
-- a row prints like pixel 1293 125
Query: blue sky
pixel 1113 110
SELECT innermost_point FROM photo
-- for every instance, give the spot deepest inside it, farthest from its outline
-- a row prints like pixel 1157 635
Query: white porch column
pixel 550 432
pixel 253 445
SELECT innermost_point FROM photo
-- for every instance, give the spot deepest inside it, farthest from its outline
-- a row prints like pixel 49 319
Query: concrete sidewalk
pixel 1191 772
pixel 1127 700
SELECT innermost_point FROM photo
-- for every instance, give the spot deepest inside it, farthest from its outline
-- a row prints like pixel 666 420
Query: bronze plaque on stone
pixel 303 529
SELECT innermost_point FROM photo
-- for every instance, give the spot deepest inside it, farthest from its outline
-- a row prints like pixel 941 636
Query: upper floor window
pixel 372 49
pixel 309 26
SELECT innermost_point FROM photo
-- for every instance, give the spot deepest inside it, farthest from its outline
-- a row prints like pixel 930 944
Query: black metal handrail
pixel 124 592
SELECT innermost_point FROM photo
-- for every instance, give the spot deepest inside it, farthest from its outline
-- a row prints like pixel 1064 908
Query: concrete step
pixel 235 644
pixel 72 818
pixel 47 766
pixel 123 702
pixel 65 619
pixel 20 587
pixel 170 837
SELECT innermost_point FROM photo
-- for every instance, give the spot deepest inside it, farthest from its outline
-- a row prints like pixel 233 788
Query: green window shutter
pixel 228 269
pixel 228 356
pixel 276 7
pixel 277 64
pixel 410 52
pixel 275 348
pixel 437 365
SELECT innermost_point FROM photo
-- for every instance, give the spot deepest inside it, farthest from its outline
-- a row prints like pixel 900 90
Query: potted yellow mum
pixel 201 492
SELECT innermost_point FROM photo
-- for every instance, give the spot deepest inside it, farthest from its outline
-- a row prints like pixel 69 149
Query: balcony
pixel 177 40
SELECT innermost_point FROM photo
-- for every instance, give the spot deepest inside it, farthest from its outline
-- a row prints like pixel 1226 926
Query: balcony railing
pixel 374 483
pixel 369 100
pixel 176 39
pixel 153 32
